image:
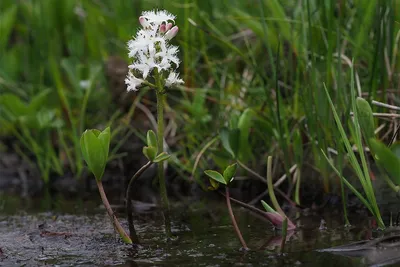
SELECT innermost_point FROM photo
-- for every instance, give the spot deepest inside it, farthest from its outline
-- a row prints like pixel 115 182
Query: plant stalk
pixel 271 188
pixel 132 231
pixel 262 179
pixel 160 145
pixel 117 225
pixel 284 234
pixel 237 230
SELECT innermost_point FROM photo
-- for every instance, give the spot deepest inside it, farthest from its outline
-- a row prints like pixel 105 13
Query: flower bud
pixel 171 33
pixel 169 26
pixel 162 28
pixel 143 21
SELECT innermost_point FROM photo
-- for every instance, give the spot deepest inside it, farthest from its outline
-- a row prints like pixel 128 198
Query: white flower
pixel 150 49
pixel 173 79
pixel 145 63
pixel 169 55
pixel 157 17
pixel 132 82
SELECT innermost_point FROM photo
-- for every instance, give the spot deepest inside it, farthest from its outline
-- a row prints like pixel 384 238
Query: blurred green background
pixel 258 66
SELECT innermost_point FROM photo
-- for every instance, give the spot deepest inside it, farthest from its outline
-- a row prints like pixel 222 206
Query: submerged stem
pixel 237 230
pixel 129 211
pixel 117 225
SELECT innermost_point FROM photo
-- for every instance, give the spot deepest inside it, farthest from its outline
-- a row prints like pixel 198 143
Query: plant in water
pixel 361 170
pixel 154 64
pixel 151 153
pixel 95 148
pixel 387 158
pixel 226 178
pixel 277 216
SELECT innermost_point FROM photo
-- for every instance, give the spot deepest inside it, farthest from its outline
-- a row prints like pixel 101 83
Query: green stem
pixel 271 188
pixel 117 225
pixel 262 179
pixel 284 234
pixel 132 230
pixel 160 144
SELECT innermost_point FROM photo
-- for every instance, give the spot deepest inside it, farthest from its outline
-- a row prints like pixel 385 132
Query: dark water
pixel 80 234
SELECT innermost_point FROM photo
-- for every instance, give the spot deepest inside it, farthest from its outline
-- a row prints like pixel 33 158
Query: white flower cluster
pixel 151 49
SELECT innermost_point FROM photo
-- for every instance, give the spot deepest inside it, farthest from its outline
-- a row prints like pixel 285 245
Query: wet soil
pixel 80 234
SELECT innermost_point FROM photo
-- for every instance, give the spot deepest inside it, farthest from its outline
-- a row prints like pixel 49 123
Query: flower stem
pixel 117 225
pixel 129 211
pixel 237 230
pixel 160 144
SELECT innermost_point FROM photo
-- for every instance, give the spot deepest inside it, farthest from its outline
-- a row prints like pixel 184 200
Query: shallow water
pixel 84 236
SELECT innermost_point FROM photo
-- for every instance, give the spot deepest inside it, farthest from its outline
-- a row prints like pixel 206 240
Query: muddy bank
pixel 204 238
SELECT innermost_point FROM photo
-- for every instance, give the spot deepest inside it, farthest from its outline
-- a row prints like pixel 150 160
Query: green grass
pixel 270 56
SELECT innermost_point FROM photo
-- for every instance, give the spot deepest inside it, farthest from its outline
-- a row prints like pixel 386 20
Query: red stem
pixel 237 230
pixel 117 225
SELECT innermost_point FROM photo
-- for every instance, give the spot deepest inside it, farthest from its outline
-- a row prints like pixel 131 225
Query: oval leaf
pixel 224 136
pixel 387 159
pixel 93 153
pixel 161 157
pixel 150 152
pixel 104 138
pixel 151 138
pixel 229 172
pixel 214 185
pixel 365 118
pixel 215 176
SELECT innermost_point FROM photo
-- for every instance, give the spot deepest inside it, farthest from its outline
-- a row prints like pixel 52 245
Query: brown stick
pixel 238 233
pixel 111 214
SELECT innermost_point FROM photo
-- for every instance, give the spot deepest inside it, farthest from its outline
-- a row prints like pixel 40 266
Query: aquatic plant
pixel 225 179
pixel 361 169
pixel 33 124
pixel 154 63
pixel 95 148
pixel 151 153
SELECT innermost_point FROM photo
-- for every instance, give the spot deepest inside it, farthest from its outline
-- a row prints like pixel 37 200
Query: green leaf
pixel 387 159
pixel 395 148
pixel 150 152
pixel 7 22
pixel 244 125
pixel 365 118
pixel 224 136
pixel 161 157
pixel 13 106
pixel 268 207
pixel 234 141
pixel 298 148
pixel 230 172
pixel 93 150
pixel 38 101
pixel 215 176
pixel 104 138
pixel 151 139
pixel 214 185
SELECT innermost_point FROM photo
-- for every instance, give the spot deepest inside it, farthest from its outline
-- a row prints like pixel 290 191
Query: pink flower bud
pixel 171 33
pixel 169 26
pixel 143 22
pixel 162 28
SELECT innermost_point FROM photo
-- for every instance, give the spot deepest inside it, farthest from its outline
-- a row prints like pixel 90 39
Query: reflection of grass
pixel 269 56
